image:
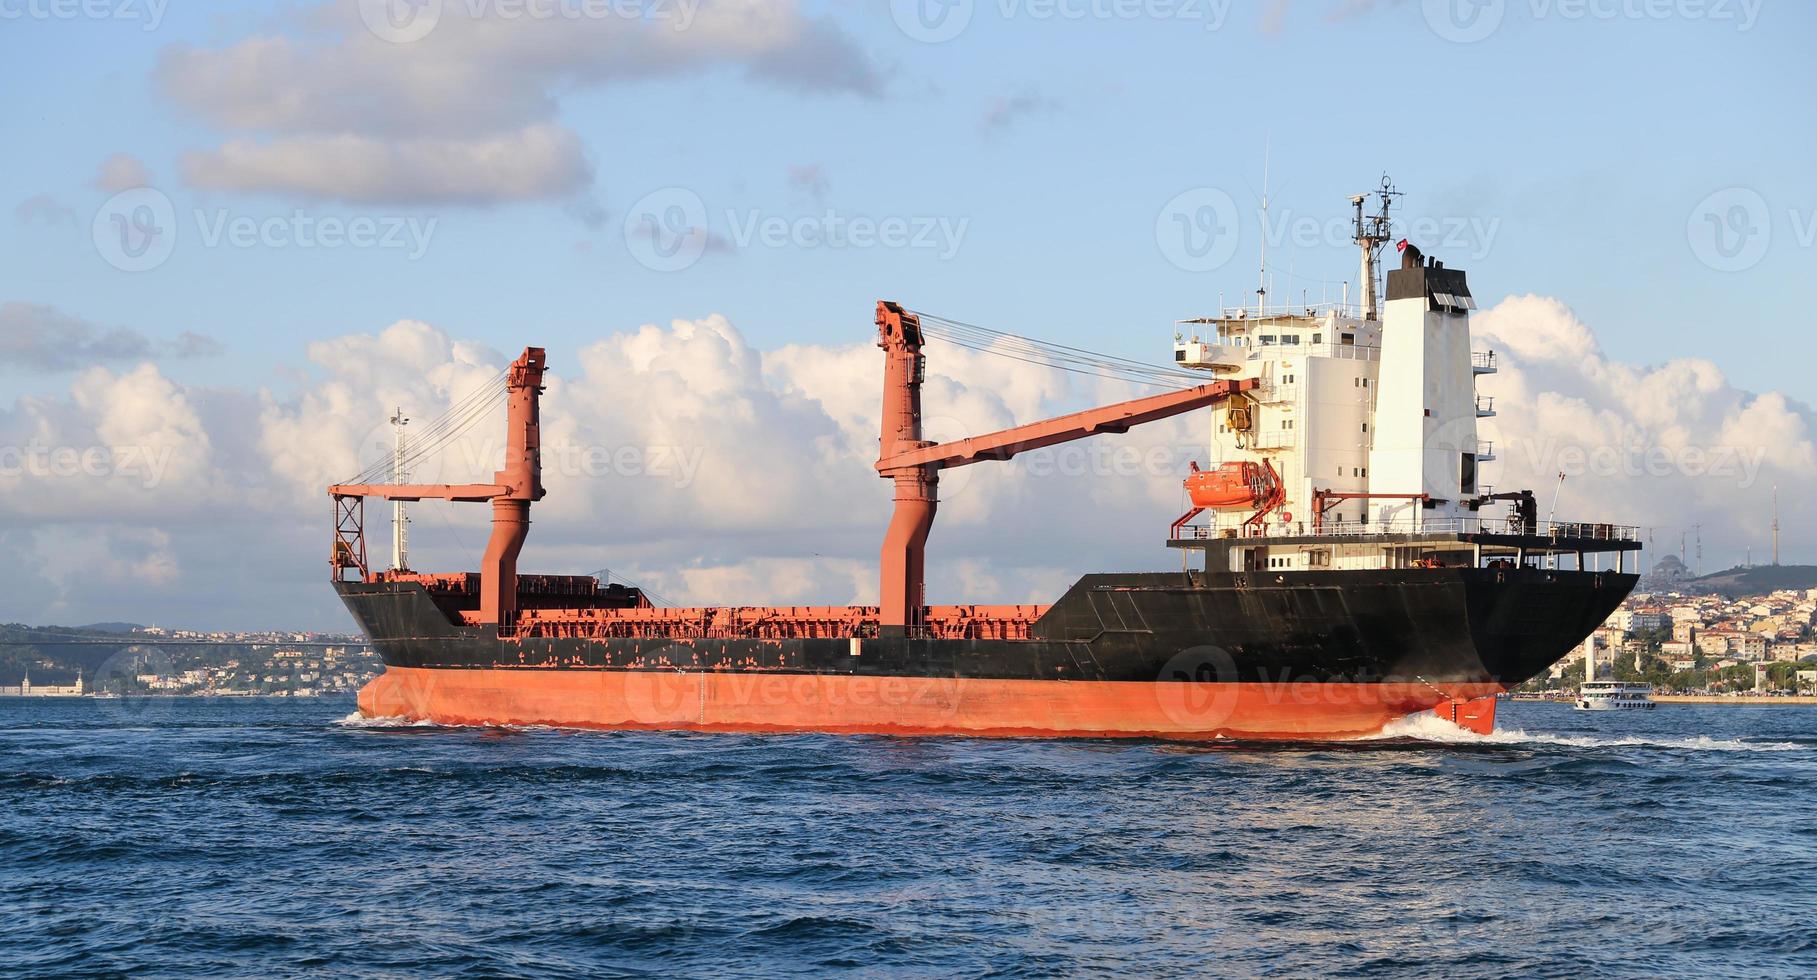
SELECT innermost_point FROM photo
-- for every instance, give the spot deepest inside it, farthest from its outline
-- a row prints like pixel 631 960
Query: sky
pixel 240 233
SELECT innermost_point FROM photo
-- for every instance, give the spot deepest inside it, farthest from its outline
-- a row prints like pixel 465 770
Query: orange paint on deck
pixel 855 704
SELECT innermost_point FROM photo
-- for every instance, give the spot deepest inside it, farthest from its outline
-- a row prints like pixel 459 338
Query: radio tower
pixel 399 537
pixel 1775 525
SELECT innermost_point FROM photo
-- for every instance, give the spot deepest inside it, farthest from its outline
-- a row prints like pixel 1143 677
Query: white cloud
pixel 538 161
pixel 129 448
pixel 122 172
pixel 45 209
pixel 338 113
pixel 36 337
pixel 1663 446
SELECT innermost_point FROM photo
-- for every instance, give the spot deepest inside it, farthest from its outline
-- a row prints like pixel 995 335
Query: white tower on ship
pixel 1426 407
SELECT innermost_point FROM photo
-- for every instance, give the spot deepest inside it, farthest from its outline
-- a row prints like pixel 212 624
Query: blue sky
pixel 1589 140
pixel 1579 151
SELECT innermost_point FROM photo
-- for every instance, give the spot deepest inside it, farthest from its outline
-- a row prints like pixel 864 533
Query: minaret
pixel 400 558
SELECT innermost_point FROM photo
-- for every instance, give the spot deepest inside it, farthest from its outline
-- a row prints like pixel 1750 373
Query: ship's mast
pixel 400 545
pixel 1372 233
pixel 1261 286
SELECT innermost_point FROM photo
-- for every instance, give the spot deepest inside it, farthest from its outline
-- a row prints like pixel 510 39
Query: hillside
pixel 1755 580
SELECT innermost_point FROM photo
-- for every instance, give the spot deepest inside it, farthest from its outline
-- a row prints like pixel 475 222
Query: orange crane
pixel 511 491
pixel 914 464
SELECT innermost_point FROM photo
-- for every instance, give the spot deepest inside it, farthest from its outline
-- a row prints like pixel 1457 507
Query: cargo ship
pixel 1343 565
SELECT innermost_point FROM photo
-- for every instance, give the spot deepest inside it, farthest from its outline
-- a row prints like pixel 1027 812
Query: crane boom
pixel 462 492
pixel 1119 417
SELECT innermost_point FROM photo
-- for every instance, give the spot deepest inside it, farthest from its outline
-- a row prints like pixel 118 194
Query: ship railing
pixel 1326 348
pixel 1289 311
pixel 1347 352
pixel 1572 530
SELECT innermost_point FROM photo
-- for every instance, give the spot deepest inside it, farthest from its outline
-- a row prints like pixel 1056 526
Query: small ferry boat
pixel 1615 695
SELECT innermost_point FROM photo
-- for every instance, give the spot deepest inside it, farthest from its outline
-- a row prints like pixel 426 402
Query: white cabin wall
pixel 1339 404
pixel 1425 410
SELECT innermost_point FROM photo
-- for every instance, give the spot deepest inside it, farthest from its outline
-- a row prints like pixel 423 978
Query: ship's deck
pixel 568 606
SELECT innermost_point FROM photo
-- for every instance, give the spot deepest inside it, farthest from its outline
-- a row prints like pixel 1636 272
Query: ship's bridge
pixel 1242 336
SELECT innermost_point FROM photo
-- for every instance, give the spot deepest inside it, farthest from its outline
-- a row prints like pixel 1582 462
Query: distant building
pixel 1667 573
pixel 26 689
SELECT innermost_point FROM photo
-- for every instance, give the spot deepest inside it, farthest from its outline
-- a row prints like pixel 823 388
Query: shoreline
pixel 1790 700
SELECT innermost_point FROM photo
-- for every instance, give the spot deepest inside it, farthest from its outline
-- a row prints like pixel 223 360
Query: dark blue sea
pixel 224 837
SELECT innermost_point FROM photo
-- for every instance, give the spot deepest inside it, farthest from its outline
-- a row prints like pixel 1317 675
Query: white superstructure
pixel 1366 414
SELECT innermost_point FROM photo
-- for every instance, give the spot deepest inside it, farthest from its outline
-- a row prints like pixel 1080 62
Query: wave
pixel 1426 727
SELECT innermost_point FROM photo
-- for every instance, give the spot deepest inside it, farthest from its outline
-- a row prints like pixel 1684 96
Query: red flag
pixel 1400 246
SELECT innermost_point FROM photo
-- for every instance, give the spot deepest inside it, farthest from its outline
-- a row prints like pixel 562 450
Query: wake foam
pixel 357 720
pixel 1428 727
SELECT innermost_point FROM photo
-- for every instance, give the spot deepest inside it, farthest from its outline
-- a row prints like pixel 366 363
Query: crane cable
pixel 442 430
pixel 1055 356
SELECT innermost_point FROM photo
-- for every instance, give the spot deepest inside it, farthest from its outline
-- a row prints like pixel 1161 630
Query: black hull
pixel 1430 626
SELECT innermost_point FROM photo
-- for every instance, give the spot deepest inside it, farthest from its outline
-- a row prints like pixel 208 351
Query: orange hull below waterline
pixel 855 704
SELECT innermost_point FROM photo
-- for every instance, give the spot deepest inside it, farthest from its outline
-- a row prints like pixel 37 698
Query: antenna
pixel 1552 514
pixel 400 545
pixel 1261 286
pixel 1371 234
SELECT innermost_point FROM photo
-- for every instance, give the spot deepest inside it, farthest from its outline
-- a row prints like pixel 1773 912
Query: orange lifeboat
pixel 1227 486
